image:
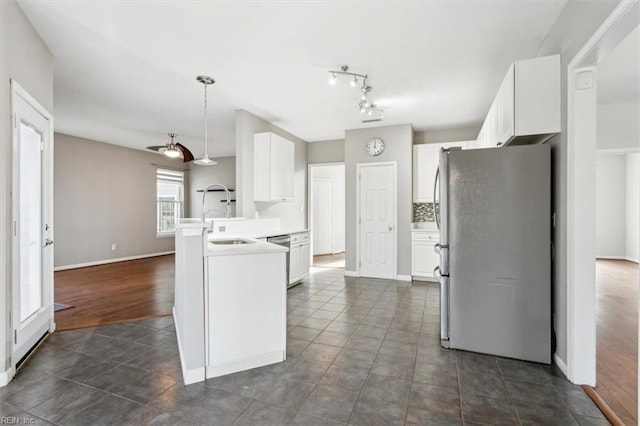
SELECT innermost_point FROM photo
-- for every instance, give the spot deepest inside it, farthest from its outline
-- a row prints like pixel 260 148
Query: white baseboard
pixel 6 376
pixel 350 273
pixel 561 365
pixel 189 376
pixel 104 262
pixel 403 277
pixel 630 259
pixel 245 364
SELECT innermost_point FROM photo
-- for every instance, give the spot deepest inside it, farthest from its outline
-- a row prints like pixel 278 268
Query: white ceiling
pixel 619 72
pixel 125 71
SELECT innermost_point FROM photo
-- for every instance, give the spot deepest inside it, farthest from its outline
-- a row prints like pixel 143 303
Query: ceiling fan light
pixel 205 161
pixel 172 153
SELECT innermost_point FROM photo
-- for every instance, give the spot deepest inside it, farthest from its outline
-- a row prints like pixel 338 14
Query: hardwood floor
pixel 116 292
pixel 329 260
pixel 617 336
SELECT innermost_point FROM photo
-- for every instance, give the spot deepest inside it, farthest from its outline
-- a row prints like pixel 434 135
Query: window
pixel 169 190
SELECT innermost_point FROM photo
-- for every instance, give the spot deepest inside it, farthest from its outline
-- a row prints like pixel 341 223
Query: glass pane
pixel 30 222
pixel 169 205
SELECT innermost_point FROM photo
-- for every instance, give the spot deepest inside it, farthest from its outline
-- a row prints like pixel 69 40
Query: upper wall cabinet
pixel 425 163
pixel 272 168
pixel 527 107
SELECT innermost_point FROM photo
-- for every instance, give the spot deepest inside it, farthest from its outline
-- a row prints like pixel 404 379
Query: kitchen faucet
pixel 226 190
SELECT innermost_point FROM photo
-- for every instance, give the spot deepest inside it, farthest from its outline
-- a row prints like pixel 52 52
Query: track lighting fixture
pixel 364 105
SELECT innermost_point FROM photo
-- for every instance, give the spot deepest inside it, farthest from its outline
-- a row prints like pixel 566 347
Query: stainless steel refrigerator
pixel 495 250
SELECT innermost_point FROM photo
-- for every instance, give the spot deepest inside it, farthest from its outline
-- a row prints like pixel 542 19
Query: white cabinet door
pixel 287 169
pixel 424 259
pixel 425 164
pixel 304 260
pixel 505 113
pixel 273 167
pixel 294 264
pixel 277 168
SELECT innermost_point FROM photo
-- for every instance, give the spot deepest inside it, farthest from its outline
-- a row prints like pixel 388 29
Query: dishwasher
pixel 284 241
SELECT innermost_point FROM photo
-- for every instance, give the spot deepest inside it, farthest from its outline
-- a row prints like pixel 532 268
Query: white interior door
pixel 32 288
pixel 322 216
pixel 377 220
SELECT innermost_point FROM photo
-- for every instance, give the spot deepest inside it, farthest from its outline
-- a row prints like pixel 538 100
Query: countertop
pixel 253 247
pixel 425 226
pixel 276 232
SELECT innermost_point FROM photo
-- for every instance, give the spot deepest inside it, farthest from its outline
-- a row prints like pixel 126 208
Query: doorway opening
pixel 584 321
pixel 327 214
pixel 617 235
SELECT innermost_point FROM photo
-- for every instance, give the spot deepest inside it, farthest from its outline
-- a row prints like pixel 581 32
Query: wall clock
pixel 375 146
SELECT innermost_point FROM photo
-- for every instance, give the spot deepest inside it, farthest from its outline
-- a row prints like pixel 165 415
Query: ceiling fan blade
pixel 186 154
pixel 157 147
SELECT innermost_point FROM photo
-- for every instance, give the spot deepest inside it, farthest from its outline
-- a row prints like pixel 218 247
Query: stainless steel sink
pixel 234 241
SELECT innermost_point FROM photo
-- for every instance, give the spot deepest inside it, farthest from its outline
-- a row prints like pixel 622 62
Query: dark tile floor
pixel 360 352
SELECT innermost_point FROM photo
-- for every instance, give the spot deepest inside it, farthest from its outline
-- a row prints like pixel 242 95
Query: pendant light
pixel 205 160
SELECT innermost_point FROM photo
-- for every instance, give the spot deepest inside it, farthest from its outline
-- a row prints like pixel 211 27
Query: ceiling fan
pixel 173 149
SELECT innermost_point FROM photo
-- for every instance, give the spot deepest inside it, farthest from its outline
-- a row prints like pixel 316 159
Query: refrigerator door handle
pixel 436 273
pixel 435 187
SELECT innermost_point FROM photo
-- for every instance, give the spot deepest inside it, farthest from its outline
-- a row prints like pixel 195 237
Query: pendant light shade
pixel 205 160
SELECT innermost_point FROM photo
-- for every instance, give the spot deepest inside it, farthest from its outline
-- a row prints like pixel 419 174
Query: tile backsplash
pixel 423 212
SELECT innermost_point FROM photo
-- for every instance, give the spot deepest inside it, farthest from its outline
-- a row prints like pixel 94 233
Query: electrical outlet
pixel 114 247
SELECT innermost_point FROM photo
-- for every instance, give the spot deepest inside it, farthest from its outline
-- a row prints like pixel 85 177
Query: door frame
pixel 581 152
pixel 359 167
pixel 310 169
pixel 332 182
pixel 16 91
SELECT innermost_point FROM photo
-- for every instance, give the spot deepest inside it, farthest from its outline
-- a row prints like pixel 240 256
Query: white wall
pixel 610 206
pixel 335 173
pixel 293 214
pixel 632 240
pixel 25 58
pixel 578 21
pixel 202 176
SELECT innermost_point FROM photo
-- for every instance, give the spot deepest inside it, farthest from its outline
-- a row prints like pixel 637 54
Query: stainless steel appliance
pixel 285 241
pixel 494 250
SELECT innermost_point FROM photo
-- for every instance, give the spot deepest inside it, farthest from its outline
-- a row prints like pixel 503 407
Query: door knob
pixel 48 242
pixel 389 228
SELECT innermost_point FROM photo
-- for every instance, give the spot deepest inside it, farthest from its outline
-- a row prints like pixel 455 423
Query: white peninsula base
pixel 230 306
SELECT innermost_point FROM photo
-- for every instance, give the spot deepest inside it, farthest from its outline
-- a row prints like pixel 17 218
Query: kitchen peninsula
pixel 230 302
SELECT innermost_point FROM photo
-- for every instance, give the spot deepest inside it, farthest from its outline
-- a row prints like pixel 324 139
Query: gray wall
pixel 25 58
pixel 617 126
pixel 325 152
pixel 446 135
pixel 398 142
pixel 201 176
pixel 576 24
pixel 105 194
pixel 293 215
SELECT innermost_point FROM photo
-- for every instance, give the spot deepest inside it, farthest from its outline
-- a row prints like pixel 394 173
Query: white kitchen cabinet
pixel 424 259
pixel 299 257
pixel 526 108
pixel 425 163
pixel 273 163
